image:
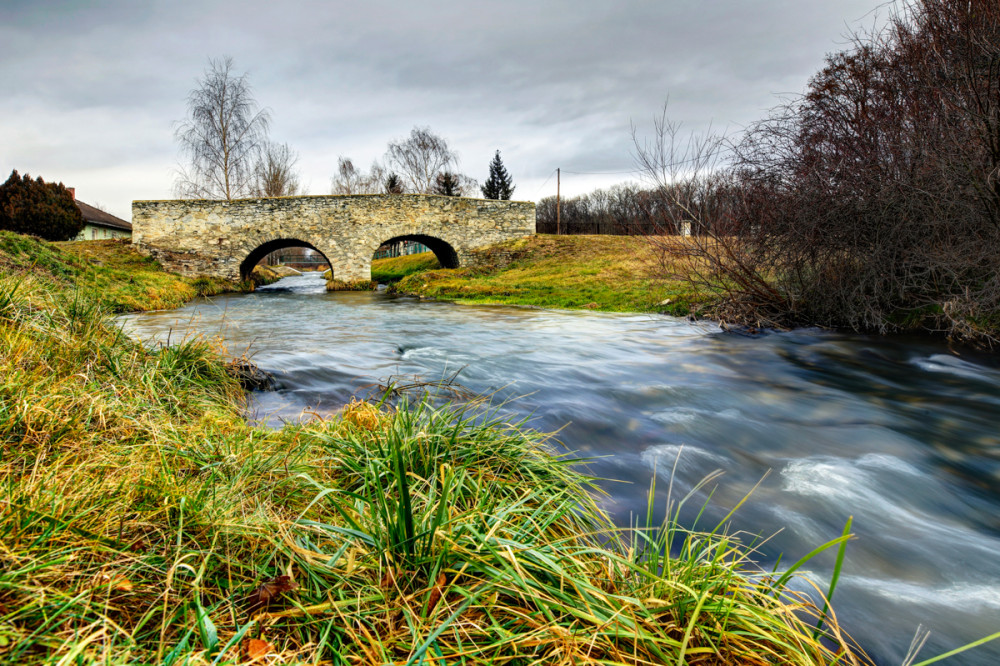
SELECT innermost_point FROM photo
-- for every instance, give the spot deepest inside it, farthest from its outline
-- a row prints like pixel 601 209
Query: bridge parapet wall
pixel 202 237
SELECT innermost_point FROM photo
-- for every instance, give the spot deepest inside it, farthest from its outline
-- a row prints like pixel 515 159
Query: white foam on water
pixel 662 457
pixel 882 461
pixel 422 352
pixel 686 415
pixel 942 363
pixel 825 477
pixel 965 596
pixel 864 494
pixel 677 416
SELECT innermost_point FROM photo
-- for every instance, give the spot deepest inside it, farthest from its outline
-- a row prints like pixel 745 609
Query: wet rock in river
pixel 250 377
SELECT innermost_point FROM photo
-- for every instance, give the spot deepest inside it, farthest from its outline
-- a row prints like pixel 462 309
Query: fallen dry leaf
pixel 123 584
pixel 436 593
pixel 116 582
pixel 255 648
pixel 270 589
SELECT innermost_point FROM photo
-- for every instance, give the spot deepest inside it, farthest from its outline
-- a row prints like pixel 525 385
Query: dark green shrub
pixel 38 208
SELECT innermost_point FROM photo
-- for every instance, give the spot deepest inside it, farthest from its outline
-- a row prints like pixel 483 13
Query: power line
pixel 601 173
pixel 640 171
pixel 546 182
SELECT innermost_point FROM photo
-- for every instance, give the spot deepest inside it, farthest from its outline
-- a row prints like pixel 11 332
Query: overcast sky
pixel 90 91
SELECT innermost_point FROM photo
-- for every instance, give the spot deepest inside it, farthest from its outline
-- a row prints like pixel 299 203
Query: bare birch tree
pixel 274 174
pixel 419 158
pixel 222 136
pixel 351 180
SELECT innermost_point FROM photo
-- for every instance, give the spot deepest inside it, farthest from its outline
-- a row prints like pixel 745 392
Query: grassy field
pixel 394 269
pixel 142 520
pixel 607 273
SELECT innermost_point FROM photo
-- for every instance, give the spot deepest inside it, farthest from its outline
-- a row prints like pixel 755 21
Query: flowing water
pixel 900 434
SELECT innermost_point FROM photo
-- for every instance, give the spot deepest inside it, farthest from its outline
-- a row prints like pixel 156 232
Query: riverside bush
pixel 35 207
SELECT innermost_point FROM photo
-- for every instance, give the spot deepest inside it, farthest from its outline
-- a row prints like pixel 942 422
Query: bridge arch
pixel 267 247
pixel 442 249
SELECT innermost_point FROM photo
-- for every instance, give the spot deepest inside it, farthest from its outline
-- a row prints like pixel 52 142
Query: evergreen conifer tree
pixel 447 184
pixel 499 185
pixel 393 184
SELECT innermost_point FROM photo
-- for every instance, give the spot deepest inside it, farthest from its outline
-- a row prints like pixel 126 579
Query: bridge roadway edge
pixel 213 238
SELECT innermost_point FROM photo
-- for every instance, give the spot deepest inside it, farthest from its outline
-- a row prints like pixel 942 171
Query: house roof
pixel 99 218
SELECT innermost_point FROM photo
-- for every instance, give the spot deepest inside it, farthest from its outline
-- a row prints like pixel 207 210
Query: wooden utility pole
pixel 558 223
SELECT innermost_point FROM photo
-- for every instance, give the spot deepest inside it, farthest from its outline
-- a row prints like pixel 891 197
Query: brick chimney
pixel 72 192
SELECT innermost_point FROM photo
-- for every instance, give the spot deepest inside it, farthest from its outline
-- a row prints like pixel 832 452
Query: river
pixel 899 433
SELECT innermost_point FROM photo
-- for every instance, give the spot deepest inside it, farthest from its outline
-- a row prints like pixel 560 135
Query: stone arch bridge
pixel 227 238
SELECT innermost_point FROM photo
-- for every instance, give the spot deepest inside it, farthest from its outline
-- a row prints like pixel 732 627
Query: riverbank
pixel 603 273
pixel 113 275
pixel 145 521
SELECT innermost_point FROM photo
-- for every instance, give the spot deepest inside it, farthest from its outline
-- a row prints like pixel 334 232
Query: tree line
pixel 421 163
pixel 627 209
pixel 229 154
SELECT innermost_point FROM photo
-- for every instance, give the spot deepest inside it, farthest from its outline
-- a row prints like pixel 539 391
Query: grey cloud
pixel 95 87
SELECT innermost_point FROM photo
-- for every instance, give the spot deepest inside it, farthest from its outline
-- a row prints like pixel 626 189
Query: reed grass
pixel 142 520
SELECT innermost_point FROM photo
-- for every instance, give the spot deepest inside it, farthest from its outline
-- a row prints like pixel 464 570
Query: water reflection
pixel 899 434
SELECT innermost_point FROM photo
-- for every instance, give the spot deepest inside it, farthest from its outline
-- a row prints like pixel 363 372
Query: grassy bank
pixel 396 268
pixel 142 520
pixel 108 273
pixel 608 273
pixel 385 271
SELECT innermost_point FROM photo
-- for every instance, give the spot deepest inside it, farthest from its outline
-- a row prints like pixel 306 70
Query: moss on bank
pixel 606 273
pixel 144 521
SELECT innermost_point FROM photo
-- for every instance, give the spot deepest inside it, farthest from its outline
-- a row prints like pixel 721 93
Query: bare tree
pixel 222 136
pixel 691 194
pixel 623 209
pixel 347 179
pixel 274 173
pixel 419 159
pixel 351 180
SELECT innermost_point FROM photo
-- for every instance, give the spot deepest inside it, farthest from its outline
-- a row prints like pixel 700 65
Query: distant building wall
pixel 95 232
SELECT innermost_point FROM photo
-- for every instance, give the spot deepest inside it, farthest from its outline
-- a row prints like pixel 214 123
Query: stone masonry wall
pixel 202 237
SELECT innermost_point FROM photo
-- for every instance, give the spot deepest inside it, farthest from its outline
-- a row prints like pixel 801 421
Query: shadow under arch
pixel 444 252
pixel 270 246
